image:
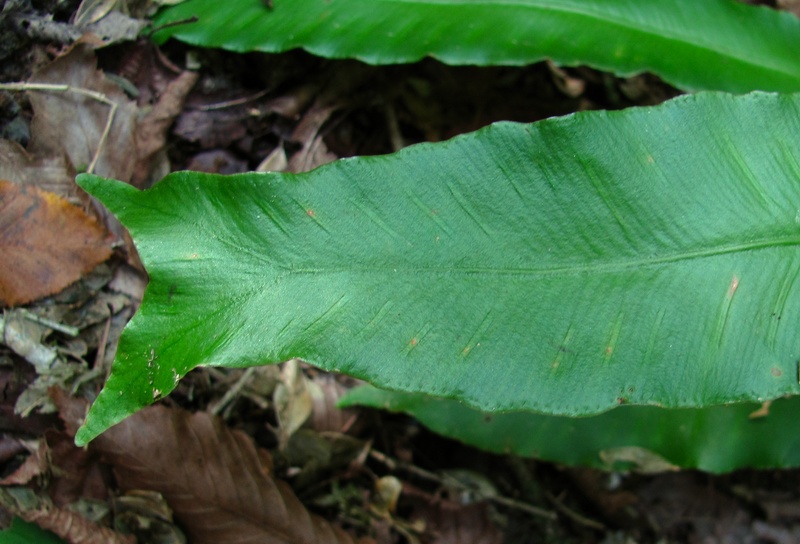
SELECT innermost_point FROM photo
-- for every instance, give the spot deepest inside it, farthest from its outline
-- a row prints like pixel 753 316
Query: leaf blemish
pixel 310 212
pixel 733 286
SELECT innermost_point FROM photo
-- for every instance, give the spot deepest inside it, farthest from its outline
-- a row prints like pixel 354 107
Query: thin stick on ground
pixel 232 392
pixel 452 482
pixel 573 515
pixel 55 88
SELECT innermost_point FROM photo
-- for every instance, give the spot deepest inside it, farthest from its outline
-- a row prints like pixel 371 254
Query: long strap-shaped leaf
pixel 714 439
pixel 647 256
pixel 694 44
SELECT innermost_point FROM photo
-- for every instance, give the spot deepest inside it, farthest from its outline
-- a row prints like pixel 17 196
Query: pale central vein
pixel 554 270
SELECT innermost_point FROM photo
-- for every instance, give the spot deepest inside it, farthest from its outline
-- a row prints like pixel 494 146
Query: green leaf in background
pixel 716 439
pixel 22 532
pixel 646 256
pixel 696 45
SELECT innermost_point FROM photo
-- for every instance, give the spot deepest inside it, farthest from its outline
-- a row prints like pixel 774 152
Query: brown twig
pixel 232 392
pixel 393 464
pixel 55 88
pixel 573 515
pixel 233 102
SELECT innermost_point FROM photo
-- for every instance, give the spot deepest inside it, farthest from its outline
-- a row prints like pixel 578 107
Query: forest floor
pixel 376 476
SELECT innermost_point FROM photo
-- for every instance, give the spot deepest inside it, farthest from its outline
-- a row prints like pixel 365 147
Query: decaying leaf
pixel 211 477
pixel 74 125
pixel 24 337
pixel 450 522
pixel 763 410
pixel 91 11
pixel 293 401
pixel 46 243
pixel 326 416
pixel 35 465
pixel 151 132
pixel 644 461
pixel 69 525
pixel 147 515
pixel 387 493
pixel 51 174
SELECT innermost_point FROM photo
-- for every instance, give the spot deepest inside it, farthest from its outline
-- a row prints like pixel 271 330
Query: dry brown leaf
pixel 24 336
pixel 326 416
pixel 72 472
pixel 293 401
pixel 276 161
pixel 453 523
pixel 66 123
pixel 46 243
pixel 151 133
pixel 211 477
pixel 148 69
pixel 212 128
pixel 10 447
pixel 792 6
pixel 307 132
pixel 76 472
pixel 70 526
pixel 34 466
pixel 217 161
pixel 51 174
pixel 294 102
pixel 91 11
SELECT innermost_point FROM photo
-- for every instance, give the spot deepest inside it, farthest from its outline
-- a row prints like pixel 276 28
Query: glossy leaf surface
pixel 715 439
pixel 707 45
pixel 647 256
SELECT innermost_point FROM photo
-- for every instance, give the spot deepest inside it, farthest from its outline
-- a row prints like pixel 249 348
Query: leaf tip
pixel 94 424
pixel 105 189
pixel 108 409
pixel 89 182
pixel 83 436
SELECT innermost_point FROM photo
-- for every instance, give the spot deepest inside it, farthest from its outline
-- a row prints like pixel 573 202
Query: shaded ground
pixel 380 477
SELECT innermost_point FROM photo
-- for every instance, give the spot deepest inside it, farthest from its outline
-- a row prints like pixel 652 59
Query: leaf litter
pixel 291 112
pixel 217 483
pixel 47 243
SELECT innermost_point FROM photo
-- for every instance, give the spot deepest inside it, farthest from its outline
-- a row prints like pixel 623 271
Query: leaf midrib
pixel 566 270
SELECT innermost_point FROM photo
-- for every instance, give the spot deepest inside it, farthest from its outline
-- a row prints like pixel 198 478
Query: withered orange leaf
pixel 212 478
pixel 46 243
